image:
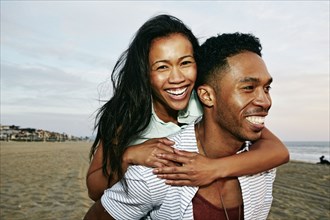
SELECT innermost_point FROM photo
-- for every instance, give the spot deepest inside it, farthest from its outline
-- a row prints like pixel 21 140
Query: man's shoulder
pixel 257 194
pixel 137 171
pixel 265 179
pixel 271 172
pixel 142 174
pixel 185 139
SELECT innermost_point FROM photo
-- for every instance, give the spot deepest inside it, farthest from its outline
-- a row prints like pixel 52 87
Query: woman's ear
pixel 206 95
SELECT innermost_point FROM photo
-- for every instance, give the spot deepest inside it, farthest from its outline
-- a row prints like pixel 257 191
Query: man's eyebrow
pixel 253 79
pixel 270 80
pixel 249 79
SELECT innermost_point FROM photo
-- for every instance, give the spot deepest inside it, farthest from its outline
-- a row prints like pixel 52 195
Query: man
pixel 233 86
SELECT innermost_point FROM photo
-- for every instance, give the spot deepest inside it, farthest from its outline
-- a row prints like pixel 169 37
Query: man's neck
pixel 213 143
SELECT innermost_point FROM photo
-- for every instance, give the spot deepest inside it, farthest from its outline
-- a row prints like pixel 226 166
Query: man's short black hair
pixel 213 53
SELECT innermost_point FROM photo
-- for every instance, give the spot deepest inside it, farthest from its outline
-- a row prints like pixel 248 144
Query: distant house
pixel 15 133
pixel 7 132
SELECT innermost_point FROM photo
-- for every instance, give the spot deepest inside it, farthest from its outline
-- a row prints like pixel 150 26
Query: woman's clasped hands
pixel 177 167
pixel 194 169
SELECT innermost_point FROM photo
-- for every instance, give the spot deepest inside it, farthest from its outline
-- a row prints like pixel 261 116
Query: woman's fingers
pixel 185 153
pixel 166 141
pixel 196 169
pixel 170 170
pixel 177 179
pixel 177 156
pixel 179 183
pixel 163 163
pixel 165 145
pixel 158 152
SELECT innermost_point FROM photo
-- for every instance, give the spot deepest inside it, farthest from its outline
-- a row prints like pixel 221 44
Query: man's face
pixel 243 98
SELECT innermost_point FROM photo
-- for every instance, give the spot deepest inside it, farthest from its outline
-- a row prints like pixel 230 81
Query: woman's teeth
pixel 177 91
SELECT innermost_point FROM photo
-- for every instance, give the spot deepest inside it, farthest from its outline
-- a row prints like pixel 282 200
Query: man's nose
pixel 263 99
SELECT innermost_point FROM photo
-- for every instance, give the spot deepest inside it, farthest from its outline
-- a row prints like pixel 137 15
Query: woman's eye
pixel 186 62
pixel 163 67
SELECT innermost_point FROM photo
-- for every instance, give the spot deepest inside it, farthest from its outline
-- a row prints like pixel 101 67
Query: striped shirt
pixel 148 197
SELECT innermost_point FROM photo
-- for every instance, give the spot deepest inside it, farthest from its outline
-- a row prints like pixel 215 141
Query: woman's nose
pixel 176 75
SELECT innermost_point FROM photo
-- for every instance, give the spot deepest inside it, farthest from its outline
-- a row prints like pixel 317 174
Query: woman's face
pixel 173 74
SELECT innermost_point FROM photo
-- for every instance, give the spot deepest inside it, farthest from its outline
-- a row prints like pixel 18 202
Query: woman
pixel 153 97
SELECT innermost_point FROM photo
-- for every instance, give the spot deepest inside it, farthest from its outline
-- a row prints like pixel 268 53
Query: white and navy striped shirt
pixel 148 197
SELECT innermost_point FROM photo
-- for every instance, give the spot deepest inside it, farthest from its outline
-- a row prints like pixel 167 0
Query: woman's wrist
pixel 221 170
pixel 127 159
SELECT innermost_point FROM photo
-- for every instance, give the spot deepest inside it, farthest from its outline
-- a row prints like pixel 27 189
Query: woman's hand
pixel 196 169
pixel 145 153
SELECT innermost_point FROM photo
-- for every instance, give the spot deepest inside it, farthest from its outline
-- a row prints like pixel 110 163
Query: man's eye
pixel 248 87
pixel 268 88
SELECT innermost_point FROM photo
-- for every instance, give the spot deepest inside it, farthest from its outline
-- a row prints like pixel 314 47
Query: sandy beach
pixel 43 180
pixel 47 181
pixel 301 191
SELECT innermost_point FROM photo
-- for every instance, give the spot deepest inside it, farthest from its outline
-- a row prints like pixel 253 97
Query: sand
pixel 47 181
pixel 301 191
pixel 43 180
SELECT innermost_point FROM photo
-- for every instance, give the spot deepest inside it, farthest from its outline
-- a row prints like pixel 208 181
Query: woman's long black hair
pixel 128 112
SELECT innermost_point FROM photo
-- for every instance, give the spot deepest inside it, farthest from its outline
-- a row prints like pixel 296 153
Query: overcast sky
pixel 57 57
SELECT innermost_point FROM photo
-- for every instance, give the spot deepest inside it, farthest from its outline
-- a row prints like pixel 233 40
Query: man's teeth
pixel 177 91
pixel 256 119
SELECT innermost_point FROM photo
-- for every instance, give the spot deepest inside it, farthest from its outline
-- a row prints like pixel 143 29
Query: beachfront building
pixel 15 133
pixel 8 132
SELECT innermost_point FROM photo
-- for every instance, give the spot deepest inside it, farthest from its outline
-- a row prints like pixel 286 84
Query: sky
pixel 57 57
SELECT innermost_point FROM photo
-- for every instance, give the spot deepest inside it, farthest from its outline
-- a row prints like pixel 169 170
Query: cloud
pixel 39 88
pixel 57 56
pixel 300 107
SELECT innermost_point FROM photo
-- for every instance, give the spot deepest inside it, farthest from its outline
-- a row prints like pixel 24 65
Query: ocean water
pixel 308 151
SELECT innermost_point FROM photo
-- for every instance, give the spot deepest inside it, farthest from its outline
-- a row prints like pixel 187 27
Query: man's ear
pixel 206 95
